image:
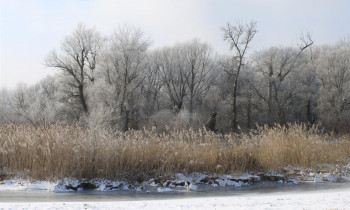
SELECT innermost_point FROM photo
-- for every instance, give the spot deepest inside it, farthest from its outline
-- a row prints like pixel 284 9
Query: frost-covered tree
pixel 117 81
pixel 5 109
pixel 152 89
pixel 333 68
pixel 123 71
pixel 21 100
pixel 47 104
pixel 186 72
pixel 239 37
pixel 277 69
pixel 198 62
pixel 36 105
pixel 173 74
pixel 77 60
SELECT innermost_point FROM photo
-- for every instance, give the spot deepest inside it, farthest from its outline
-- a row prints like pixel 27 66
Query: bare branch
pixel 305 41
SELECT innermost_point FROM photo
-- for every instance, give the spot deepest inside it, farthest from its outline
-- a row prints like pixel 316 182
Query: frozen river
pixel 203 191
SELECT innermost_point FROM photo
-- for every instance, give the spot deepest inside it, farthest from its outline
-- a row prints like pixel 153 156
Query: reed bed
pixel 72 151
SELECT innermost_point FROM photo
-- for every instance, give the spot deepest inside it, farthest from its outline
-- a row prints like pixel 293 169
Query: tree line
pixel 119 81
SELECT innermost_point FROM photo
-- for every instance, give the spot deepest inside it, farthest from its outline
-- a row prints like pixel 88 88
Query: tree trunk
pixel 126 121
pixel 309 120
pixel 152 104
pixel 82 98
pixel 281 115
pixel 270 89
pixel 123 108
pixel 249 111
pixel 234 126
pixel 191 107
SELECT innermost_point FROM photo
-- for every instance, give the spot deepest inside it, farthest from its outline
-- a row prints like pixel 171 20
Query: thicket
pixel 119 81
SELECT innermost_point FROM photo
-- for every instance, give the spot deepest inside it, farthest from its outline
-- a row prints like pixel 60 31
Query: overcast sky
pixel 32 28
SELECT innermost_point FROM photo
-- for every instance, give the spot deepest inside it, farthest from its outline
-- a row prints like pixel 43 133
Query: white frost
pixel 23 185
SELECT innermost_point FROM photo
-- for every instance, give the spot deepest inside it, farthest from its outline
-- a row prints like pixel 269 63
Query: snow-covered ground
pixel 339 199
pixel 189 182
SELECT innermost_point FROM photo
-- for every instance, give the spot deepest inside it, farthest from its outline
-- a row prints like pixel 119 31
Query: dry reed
pixel 63 151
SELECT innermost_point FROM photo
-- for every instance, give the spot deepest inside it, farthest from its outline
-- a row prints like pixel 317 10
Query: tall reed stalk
pixel 64 151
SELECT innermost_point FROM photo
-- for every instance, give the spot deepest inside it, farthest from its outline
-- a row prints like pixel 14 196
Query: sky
pixel 30 29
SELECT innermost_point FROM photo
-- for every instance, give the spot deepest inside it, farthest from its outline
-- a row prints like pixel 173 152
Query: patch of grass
pixel 64 151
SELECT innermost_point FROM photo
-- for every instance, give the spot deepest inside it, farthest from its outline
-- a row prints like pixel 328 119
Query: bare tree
pixel 239 37
pixel 35 104
pixel 5 110
pixel 152 87
pixel 186 72
pixel 199 62
pixel 125 69
pixel 77 60
pixel 173 74
pixel 20 101
pixel 333 68
pixel 275 65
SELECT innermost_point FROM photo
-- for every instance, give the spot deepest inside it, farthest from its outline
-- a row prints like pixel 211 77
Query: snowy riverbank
pixel 190 182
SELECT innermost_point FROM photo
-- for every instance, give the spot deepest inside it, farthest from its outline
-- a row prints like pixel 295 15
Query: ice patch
pixel 182 177
pixel 153 184
pixel 42 185
pixel 295 181
pixel 318 180
pixel 332 178
pixel 221 182
pixel 198 177
pixel 274 174
pixel 192 187
pixel 215 185
pixel 163 189
pixel 126 187
pixel 66 185
pixel 232 183
pixel 101 186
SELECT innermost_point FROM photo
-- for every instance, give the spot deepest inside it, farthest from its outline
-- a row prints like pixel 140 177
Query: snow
pixel 192 187
pixel 191 182
pixel 339 199
pixel 59 186
pixel 163 189
pixel 153 184
pixel 41 185
pixel 332 178
pixel 318 180
pixel 25 185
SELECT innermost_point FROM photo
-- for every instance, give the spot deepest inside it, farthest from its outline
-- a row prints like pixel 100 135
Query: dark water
pixel 202 191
